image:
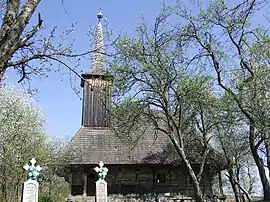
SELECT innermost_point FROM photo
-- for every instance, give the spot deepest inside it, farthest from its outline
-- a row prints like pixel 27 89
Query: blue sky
pixel 60 105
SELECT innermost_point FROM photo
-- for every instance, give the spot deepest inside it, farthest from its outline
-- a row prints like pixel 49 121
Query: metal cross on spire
pixel 99 15
pixel 33 169
pixel 102 171
pixel 98 54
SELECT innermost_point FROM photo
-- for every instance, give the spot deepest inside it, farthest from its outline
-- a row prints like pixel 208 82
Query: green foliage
pixel 45 199
pixel 169 70
pixel 53 187
pixel 228 45
pixel 21 130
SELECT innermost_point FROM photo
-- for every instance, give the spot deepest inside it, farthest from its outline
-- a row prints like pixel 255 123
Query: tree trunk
pixel 2 72
pixel 18 186
pixel 220 184
pixel 198 192
pixel 259 163
pixel 12 27
pixel 267 149
pixel 245 192
pixel 233 184
pixel 195 181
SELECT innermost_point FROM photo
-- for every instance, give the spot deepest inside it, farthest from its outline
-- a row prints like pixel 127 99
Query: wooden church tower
pixel 97 85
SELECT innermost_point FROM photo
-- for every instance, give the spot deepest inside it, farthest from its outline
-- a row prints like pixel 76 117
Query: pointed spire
pixel 98 55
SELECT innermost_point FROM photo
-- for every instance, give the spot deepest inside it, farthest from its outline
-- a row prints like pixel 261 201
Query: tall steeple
pixel 97 86
pixel 98 55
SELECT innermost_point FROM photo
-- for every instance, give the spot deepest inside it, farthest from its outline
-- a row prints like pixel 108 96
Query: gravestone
pixel 101 184
pixel 30 191
pixel 101 191
pixel 30 187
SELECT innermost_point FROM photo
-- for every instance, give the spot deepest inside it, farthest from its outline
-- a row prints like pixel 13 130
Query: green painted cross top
pixel 33 169
pixel 101 171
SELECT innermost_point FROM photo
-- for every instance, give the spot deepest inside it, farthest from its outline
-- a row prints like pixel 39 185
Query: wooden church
pixel 145 171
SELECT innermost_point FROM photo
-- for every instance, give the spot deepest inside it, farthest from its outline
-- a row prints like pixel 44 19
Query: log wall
pixel 145 180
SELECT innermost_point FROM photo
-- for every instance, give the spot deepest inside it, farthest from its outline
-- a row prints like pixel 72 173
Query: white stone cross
pixel 102 171
pixel 33 169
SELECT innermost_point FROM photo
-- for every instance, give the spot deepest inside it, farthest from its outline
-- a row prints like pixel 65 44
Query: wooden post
pixel 170 181
pixel 154 180
pixel 84 184
pixel 70 182
pixel 120 180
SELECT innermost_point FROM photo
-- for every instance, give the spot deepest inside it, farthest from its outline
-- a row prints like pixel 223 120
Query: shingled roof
pixel 93 145
pixel 149 147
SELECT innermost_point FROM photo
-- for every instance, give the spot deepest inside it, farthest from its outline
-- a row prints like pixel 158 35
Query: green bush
pixel 45 199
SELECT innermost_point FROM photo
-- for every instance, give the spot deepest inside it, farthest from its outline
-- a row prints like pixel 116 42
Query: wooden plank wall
pixel 96 102
pixel 144 181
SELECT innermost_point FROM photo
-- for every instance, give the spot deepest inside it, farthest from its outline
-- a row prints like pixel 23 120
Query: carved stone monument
pixel 101 191
pixel 30 191
pixel 101 184
pixel 30 187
